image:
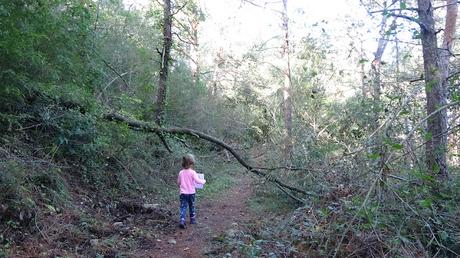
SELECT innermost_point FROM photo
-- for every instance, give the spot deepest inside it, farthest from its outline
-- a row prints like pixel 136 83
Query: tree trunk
pixel 376 91
pixel 436 144
pixel 194 51
pixel 287 89
pixel 448 40
pixel 364 89
pixel 165 57
pixel 445 54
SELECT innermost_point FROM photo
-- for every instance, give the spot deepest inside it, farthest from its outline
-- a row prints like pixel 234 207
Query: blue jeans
pixel 187 200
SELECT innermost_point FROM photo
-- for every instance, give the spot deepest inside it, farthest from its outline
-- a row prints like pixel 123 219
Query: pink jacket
pixel 187 179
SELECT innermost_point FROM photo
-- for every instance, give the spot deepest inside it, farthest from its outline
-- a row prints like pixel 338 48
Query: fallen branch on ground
pixel 143 126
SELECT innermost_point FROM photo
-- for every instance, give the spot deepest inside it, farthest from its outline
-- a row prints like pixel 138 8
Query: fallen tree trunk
pixel 143 126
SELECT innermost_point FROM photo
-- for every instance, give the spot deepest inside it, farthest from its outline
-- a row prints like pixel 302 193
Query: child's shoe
pixel 192 221
pixel 182 224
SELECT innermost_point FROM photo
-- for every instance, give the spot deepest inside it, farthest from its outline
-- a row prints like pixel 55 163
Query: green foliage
pixel 392 144
pixel 24 187
pixel 402 5
pixel 266 201
pixel 45 48
pixel 65 63
pixel 75 135
pixel 13 175
pixel 413 217
pixel 219 177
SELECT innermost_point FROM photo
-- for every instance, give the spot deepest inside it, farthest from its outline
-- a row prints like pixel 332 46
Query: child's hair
pixel 188 160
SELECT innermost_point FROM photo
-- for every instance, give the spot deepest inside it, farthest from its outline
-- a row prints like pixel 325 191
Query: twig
pixel 429 116
pixel 394 10
pixel 425 142
pixel 40 231
pixel 179 9
pixel 115 71
pixel 281 167
pixel 417 80
pixel 397 177
pixel 386 123
pixel 113 80
pixel 421 218
pixel 350 224
pixel 289 194
pixel 453 74
pixel 128 171
pixel 442 6
pixel 409 18
pixel 29 127
pixel 183 40
pixel 163 141
pixel 263 7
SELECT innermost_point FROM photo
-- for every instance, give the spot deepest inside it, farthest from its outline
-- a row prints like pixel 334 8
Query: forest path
pixel 229 210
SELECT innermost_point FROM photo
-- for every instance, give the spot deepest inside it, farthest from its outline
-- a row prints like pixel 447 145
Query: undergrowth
pixel 266 200
pixel 44 196
pixel 413 218
pixel 219 177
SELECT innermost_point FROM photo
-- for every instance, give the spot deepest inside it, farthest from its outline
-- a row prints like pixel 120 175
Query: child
pixel 186 182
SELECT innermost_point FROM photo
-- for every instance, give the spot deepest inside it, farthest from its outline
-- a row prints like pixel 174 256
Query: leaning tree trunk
pixel 165 57
pixel 436 144
pixel 287 89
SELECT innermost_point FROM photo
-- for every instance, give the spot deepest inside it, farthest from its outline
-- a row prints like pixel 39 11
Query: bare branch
pixel 429 116
pixel 446 5
pixel 115 71
pixel 397 177
pixel 426 223
pixel 412 19
pixel 261 6
pixel 418 79
pixel 183 40
pixel 110 83
pixel 386 123
pixel 453 75
pixel 281 167
pixel 393 10
pixel 179 9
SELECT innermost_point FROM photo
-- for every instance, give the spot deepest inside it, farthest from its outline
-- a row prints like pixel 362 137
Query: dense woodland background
pixel 354 153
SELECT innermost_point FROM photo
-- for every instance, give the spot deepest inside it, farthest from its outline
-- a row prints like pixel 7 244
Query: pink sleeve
pixel 198 180
pixel 178 180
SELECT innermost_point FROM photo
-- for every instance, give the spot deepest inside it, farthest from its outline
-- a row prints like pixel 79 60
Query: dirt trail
pixel 138 233
pixel 214 217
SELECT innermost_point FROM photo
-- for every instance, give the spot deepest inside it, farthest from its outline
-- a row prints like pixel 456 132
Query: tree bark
pixel 165 57
pixel 449 35
pixel 445 54
pixel 287 89
pixel 436 145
